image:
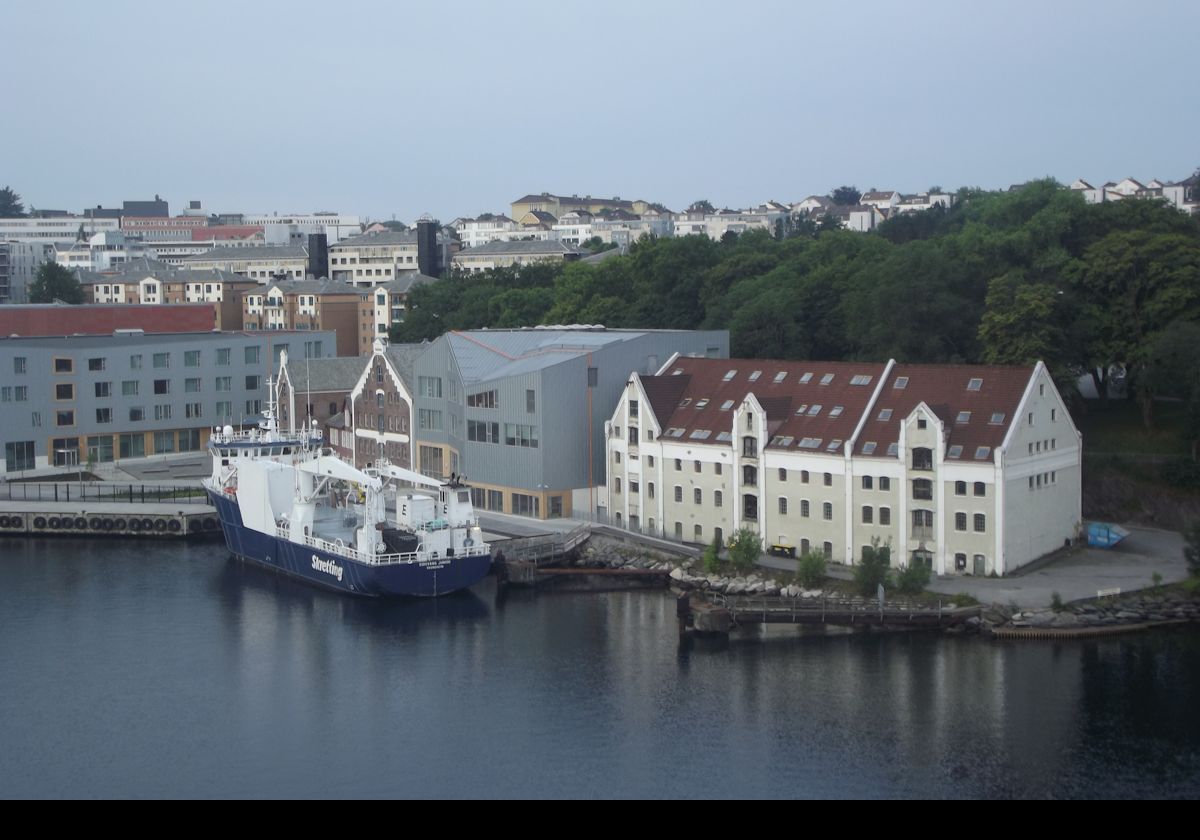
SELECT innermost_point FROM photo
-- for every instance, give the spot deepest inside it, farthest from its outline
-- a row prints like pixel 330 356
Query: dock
pixel 69 509
pixel 719 614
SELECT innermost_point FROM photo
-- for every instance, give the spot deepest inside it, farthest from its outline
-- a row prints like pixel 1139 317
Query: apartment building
pixel 132 394
pixel 966 469
pixel 149 283
pixel 371 259
pixel 264 263
pixel 313 305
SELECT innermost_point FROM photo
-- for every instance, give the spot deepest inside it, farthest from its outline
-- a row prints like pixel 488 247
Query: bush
pixel 873 569
pixel 810 569
pixel 1056 603
pixel 913 578
pixel 1183 473
pixel 711 561
pixel 964 599
pixel 745 549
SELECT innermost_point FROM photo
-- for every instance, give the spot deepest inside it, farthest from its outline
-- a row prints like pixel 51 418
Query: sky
pixel 394 109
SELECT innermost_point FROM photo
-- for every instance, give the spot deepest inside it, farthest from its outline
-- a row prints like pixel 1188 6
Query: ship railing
pixel 348 551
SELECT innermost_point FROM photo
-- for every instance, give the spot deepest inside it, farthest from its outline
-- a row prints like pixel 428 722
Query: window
pixel 191 386
pixel 530 401
pixel 922 489
pixel 252 355
pixel 783 505
pixel 429 386
pixel 103 390
pixel 135 362
pixel 885 483
pixel 869 447
pixel 64 391
pixel 827 548
pixel 162 411
pixel 749 447
pixel 678 464
pixel 224 410
pixel 429 419
pixel 593 375
pixel 698 467
pixel 804 476
pixel 224 383
pixel 678 493
pixel 162 386
pixel 960 488
pixel 96 364
pixel 868 514
pixel 20 455
pixel 482 431
pixel 750 476
pixel 980 523
pixel 103 415
pixel 517 434
pixel 64 418
pixel 164 442
pixel 922 458
pixel 64 365
pixel 191 358
pixel 982 453
pixel 223 354
pixel 980 489
pixel 718 498
pixel 750 506
pixel 922 524
pixel 634 487
pixel 193 410
pixel 616 485
pixel 828 479
pixel 963 418
pixel 867 482
pixel 960 522
pixel 650 489
pixel 885 516
pixel 997 418
pixel 253 383
pixel 804 508
pixel 901 383
pixel 697 496
pixel 922 423
pixel 782 474
pixel 19 366
pixel 137 414
pixel 827 511
pixel 162 360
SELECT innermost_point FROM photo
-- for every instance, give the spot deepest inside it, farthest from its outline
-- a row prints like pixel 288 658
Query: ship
pixel 288 503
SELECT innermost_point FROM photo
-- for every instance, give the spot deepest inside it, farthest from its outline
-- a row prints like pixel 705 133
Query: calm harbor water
pixel 168 670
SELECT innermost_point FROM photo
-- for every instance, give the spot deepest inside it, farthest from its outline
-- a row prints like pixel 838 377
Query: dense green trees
pixel 1002 277
pixel 10 204
pixel 53 282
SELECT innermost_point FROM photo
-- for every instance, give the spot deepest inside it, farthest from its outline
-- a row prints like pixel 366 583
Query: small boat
pixel 287 503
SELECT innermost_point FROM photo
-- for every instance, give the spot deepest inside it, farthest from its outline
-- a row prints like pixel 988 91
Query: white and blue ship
pixel 287 503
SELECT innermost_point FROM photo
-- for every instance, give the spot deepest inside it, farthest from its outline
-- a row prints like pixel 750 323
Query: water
pixel 169 670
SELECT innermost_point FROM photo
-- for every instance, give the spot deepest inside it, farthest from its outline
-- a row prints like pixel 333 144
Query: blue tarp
pixel 1105 535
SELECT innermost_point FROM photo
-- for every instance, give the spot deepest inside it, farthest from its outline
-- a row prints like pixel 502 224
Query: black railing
pixel 22 491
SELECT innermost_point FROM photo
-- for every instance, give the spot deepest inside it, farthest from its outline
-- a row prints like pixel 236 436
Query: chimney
pixel 428 258
pixel 318 255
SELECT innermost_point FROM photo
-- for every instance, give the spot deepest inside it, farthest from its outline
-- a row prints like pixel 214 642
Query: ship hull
pixel 423 579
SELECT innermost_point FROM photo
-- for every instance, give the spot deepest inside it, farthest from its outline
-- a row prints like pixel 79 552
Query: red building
pixel 46 319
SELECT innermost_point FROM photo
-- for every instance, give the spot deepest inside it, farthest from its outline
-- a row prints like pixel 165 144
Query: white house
pixel 967 469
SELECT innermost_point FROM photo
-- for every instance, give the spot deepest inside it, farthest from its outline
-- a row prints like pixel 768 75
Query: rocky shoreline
pixel 1138 610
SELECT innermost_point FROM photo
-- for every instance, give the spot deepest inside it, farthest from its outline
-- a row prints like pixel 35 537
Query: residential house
pixel 966 469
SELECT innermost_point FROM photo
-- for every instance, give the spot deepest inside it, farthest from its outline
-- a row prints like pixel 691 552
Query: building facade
pixel 67 400
pixel 505 254
pixel 19 262
pixel 263 264
pixel 313 305
pixel 966 469
pixel 521 412
pixel 375 258
pixel 148 283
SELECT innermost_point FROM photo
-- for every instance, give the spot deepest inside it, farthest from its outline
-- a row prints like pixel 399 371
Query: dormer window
pixel 975 385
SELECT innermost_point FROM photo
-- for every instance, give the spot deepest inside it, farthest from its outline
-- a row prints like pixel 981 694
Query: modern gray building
pixel 19 263
pixel 521 412
pixel 66 400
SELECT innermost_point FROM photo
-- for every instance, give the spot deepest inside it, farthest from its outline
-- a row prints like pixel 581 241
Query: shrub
pixel 1191 549
pixel 964 599
pixel 810 568
pixel 1056 603
pixel 874 568
pixel 913 578
pixel 711 561
pixel 745 549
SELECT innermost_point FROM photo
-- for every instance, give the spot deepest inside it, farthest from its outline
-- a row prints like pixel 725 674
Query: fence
pixel 102 492
pixel 657 532
pixel 545 547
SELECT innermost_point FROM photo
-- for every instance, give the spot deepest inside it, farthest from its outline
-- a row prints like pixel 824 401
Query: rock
pixel 993 617
pixel 1127 615
pixel 1156 617
pixel 1040 619
pixel 1066 620
pixel 973 621
pixel 677 574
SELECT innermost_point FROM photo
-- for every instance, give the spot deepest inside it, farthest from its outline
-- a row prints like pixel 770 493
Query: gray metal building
pixel 132 394
pixel 522 412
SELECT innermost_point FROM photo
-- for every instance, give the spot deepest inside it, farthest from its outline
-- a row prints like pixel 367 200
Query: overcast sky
pixel 396 109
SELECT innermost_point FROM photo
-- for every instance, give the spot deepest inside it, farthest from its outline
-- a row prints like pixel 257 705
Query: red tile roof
pixel 678 400
pixel 944 388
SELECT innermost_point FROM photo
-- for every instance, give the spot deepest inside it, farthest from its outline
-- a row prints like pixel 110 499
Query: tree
pixel 845 196
pixel 701 206
pixel 874 569
pixel 711 562
pixel 745 550
pixel 810 569
pixel 53 283
pixel 10 204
